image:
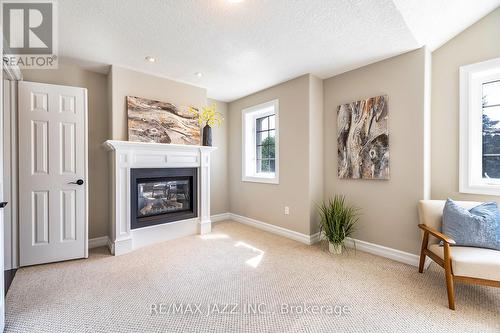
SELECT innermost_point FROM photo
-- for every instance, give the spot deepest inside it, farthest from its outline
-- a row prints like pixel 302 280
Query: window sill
pixel 263 180
pixel 481 189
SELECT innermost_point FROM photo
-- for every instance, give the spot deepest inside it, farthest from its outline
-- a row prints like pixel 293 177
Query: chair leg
pixel 425 241
pixel 449 277
pixel 451 291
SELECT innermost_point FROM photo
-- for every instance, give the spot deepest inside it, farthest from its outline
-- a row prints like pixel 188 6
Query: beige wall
pixel 479 42
pixel 127 82
pixel 219 185
pixel 389 208
pixel 266 202
pixel 98 132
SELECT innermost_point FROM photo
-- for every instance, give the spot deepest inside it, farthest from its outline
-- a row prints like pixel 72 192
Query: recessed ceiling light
pixel 198 74
pixel 150 59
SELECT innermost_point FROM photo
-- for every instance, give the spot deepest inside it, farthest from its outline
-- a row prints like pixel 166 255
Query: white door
pixel 52 173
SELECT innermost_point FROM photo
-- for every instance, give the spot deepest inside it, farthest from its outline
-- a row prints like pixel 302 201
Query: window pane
pixel 261 137
pixel 259 152
pixel 258 166
pixel 272 165
pixel 491 167
pixel 265 165
pixel 491 130
pixel 265 151
pixel 491 93
pixel 263 124
pixel 272 122
pixel 491 119
pixel 269 148
pixel 258 124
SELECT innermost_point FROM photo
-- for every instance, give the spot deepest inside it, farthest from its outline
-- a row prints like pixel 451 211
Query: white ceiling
pixel 244 47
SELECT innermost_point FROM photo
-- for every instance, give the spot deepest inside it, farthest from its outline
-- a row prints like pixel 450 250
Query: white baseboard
pixel 386 252
pixel 98 242
pixel 111 246
pixel 306 239
pixel 315 238
pixel 379 250
pixel 220 217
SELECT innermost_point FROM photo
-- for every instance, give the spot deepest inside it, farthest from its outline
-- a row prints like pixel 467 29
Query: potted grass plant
pixel 338 221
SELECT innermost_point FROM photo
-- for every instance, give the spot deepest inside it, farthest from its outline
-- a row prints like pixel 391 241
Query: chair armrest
pixel 437 234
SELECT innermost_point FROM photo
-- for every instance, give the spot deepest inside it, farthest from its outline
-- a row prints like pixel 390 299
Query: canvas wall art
pixel 161 122
pixel 363 139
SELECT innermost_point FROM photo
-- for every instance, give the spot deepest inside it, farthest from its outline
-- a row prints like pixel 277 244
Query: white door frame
pixel 2 292
pixel 10 175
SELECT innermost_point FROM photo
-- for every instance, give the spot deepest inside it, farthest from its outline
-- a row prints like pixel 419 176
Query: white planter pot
pixel 335 248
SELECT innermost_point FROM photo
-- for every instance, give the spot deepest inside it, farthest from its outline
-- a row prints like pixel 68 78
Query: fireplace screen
pixel 162 196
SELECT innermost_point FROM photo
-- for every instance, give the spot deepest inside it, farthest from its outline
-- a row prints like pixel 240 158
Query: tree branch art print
pixel 363 139
pixel 161 122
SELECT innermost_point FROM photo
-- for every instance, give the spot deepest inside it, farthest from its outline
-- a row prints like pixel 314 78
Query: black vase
pixel 207 135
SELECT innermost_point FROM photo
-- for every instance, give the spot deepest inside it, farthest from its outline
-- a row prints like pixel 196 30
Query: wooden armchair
pixel 461 264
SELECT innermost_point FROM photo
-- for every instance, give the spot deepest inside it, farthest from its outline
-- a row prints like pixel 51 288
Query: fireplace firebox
pixel 162 195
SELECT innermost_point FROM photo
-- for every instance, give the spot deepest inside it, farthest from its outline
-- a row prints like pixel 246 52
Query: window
pixel 491 129
pixel 266 144
pixel 260 143
pixel 480 128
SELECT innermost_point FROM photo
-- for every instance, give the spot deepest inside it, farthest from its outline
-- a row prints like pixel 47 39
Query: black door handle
pixel 78 182
pixel 3 204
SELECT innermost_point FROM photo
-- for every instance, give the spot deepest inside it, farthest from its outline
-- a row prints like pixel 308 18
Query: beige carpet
pixel 240 265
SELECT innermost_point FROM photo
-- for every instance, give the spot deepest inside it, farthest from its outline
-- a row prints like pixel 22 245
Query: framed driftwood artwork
pixel 363 139
pixel 161 122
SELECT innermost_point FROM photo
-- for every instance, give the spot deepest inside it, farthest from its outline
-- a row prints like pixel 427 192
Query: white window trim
pixel 248 143
pixel 471 79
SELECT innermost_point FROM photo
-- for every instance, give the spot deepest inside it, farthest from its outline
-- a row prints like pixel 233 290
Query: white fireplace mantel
pixel 126 155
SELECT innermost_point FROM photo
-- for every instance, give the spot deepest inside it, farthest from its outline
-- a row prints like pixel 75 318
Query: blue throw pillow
pixel 478 227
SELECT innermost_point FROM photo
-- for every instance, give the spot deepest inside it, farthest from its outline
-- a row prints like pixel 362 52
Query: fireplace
pixel 162 195
pixel 133 161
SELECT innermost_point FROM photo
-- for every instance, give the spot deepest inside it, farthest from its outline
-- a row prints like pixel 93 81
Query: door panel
pixel 40 217
pixel 67 104
pixel 52 155
pixel 68 215
pixel 39 147
pixel 39 102
pixel 68 149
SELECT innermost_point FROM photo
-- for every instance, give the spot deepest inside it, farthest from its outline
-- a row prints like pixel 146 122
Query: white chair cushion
pixel 472 261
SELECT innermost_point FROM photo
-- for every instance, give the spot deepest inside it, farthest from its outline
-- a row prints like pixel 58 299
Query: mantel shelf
pixel 119 145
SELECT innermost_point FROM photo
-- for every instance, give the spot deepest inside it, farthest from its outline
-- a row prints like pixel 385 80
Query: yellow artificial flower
pixel 207 115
